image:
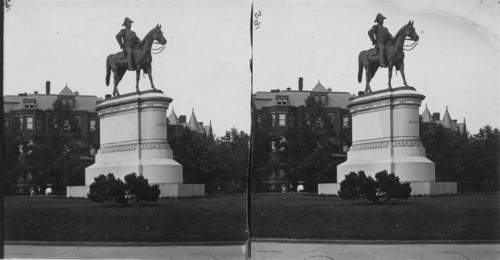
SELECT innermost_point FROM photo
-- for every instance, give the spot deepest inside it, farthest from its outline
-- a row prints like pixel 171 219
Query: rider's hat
pixel 379 17
pixel 127 21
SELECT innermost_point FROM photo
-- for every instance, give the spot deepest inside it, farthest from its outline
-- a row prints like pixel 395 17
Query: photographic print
pixel 370 118
pixel 242 129
pixel 126 122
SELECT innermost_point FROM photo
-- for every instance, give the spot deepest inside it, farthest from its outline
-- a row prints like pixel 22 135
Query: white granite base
pixel 417 188
pixel 167 190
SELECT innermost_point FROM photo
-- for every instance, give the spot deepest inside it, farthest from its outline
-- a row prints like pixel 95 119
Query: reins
pixel 410 47
pixel 161 48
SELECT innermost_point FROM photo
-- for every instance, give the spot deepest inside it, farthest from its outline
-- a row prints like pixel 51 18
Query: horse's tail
pixel 360 68
pixel 108 69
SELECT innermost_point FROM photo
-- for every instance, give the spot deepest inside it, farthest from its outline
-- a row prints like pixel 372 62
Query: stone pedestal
pixel 133 135
pixel 385 135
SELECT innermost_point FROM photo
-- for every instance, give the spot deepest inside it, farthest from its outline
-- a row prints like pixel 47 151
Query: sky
pixel 456 62
pixel 205 65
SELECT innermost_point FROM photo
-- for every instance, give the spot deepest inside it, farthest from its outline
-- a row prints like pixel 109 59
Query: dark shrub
pixel 136 189
pixel 105 188
pixel 139 189
pixel 384 185
pixel 349 187
pixel 389 185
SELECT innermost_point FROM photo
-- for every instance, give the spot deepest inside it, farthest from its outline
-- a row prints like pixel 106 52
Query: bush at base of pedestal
pixel 385 186
pixel 134 190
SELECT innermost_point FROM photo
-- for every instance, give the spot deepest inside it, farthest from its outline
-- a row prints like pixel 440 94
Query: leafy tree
pixel 446 149
pixel 306 152
pixel 15 144
pixel 193 152
pixel 221 164
pixel 483 169
pixel 262 138
pixel 232 153
pixel 54 157
pixel 385 186
pixel 471 161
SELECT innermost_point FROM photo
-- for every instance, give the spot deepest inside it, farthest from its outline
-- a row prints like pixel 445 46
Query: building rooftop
pixel 193 123
pixel 297 98
pixel 44 101
pixel 446 122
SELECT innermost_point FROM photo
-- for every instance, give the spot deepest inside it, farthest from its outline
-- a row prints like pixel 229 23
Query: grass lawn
pixel 302 216
pixel 61 219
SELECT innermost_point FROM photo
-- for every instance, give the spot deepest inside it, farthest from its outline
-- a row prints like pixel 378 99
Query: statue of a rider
pixel 380 36
pixel 128 40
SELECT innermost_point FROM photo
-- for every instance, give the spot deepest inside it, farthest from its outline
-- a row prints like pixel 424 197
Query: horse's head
pixel 409 31
pixel 158 35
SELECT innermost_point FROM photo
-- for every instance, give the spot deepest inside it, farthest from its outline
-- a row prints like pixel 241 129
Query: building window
pixel 282 120
pixel 29 123
pixel 30 146
pixel 282 100
pixel 78 121
pixel 345 121
pixel 322 100
pixel 332 117
pixel 29 103
pixel 290 120
pixel 273 120
pixel 20 120
pixel 70 103
pixel 38 123
pixel 66 125
pixel 92 125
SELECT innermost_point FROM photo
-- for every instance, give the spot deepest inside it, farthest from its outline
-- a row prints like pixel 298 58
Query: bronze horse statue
pixel 394 56
pixel 142 60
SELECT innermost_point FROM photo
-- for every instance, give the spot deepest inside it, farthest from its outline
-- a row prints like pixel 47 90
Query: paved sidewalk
pixel 317 251
pixel 173 252
pixel 260 250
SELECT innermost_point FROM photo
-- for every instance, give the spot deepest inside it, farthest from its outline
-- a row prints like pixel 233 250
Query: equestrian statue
pixel 388 51
pixel 136 55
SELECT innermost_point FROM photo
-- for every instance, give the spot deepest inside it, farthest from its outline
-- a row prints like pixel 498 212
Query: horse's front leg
pixel 402 70
pixel 151 78
pixel 390 76
pixel 116 80
pixel 368 79
pixel 137 76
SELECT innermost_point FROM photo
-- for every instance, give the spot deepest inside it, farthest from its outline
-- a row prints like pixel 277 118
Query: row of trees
pixel 470 160
pixel 58 154
pixel 220 163
pixel 56 159
pixel 306 153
